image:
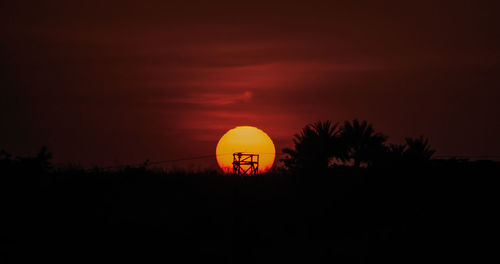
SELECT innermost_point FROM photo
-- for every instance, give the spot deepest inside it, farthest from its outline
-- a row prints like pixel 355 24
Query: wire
pixel 466 156
pixel 281 154
pixel 189 158
pixel 185 159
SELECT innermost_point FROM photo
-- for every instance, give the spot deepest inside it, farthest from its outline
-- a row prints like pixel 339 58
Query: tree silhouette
pixel 314 147
pixel 393 155
pixel 397 149
pixel 361 143
pixel 5 159
pixel 418 149
pixel 40 163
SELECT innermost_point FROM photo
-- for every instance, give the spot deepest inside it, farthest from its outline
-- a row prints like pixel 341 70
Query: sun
pixel 245 139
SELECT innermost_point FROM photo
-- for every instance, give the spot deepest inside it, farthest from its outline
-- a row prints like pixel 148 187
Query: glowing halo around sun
pixel 245 139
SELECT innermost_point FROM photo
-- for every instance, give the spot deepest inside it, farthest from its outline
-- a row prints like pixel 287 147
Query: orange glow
pixel 245 139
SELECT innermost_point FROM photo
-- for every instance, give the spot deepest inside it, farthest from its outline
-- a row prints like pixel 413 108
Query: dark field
pixel 438 212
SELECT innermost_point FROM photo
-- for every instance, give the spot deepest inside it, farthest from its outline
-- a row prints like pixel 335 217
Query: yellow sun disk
pixel 245 139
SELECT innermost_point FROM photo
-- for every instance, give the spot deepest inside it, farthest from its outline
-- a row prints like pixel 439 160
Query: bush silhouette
pixel 39 163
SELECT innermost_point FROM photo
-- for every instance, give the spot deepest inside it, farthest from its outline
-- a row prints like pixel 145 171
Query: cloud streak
pixel 211 99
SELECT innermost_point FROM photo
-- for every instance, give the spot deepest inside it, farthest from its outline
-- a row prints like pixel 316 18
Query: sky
pixel 116 82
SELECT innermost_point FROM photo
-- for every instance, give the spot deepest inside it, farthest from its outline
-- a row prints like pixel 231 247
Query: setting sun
pixel 245 139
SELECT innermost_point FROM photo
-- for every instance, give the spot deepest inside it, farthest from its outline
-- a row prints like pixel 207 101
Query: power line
pixel 168 161
pixel 184 159
pixel 281 154
pixel 468 156
pixel 205 156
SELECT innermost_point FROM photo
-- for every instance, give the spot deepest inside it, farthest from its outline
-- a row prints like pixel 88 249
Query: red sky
pixel 120 82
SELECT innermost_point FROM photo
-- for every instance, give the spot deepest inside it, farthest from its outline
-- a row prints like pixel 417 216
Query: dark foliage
pixel 418 149
pixel 355 143
pixel 361 142
pixel 441 211
pixel 315 146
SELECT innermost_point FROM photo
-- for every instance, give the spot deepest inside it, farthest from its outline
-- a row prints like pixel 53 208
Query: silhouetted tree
pixel 4 154
pixel 5 160
pixel 39 163
pixel 360 142
pixel 393 155
pixel 397 149
pixel 418 149
pixel 314 147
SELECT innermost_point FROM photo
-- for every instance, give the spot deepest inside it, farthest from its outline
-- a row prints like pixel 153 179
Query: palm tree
pixel 394 155
pixel 314 147
pixel 418 149
pixel 361 143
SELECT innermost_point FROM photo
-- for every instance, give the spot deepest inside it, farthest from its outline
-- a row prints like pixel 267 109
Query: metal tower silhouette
pixel 244 159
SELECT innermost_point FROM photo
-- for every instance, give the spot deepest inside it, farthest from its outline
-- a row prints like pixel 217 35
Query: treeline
pixel 323 144
pixel 407 209
pixel 317 147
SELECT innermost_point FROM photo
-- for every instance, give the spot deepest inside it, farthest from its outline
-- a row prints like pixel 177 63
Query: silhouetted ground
pixel 442 212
